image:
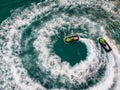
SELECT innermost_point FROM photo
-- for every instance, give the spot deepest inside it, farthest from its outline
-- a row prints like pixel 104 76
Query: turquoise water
pixel 6 7
pixel 33 54
pixel 72 52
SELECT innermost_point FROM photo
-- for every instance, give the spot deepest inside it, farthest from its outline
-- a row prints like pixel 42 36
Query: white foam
pixel 12 24
pixel 52 62
pixel 110 74
pixel 64 68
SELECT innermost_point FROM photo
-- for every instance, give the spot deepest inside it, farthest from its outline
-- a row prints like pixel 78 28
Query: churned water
pixel 34 56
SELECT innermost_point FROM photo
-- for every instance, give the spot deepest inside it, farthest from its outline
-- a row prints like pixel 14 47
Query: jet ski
pixel 73 38
pixel 105 45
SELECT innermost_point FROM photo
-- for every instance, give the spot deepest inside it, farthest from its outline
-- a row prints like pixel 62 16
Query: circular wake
pixel 33 54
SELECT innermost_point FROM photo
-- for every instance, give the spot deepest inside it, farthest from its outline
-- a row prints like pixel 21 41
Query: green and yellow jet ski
pixel 73 38
pixel 104 44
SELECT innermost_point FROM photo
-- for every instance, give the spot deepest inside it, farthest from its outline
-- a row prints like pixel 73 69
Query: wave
pixel 27 39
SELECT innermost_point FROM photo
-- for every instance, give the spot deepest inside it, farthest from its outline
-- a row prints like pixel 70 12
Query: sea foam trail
pixel 13 27
pixel 63 68
pixel 109 80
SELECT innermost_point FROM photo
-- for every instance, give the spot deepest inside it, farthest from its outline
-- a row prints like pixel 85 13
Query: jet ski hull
pixel 70 39
pixel 105 45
